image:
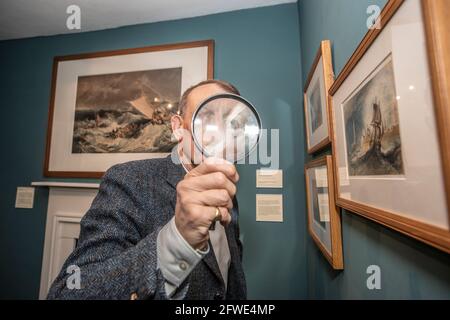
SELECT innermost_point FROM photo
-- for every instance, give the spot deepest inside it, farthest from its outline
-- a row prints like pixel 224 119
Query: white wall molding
pixel 82 185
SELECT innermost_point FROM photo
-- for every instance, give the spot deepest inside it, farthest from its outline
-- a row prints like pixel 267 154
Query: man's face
pixel 197 96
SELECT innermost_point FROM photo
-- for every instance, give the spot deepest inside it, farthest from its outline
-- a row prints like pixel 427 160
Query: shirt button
pixel 218 296
pixel 183 265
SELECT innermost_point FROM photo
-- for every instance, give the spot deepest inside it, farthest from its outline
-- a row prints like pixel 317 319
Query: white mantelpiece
pixel 67 204
pixel 65 184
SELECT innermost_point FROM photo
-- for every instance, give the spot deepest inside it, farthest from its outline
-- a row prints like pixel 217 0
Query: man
pixel 146 235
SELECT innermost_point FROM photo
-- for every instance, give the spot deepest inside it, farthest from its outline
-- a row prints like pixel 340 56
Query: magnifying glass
pixel 226 126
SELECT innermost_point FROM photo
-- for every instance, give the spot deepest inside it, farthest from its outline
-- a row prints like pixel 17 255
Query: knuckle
pixel 233 190
pixel 207 164
pixel 223 195
pixel 220 178
pixel 232 170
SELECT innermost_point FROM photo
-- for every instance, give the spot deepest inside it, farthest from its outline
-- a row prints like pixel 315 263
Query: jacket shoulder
pixel 128 171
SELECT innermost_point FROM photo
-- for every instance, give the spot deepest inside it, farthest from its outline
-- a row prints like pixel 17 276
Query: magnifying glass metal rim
pixel 219 96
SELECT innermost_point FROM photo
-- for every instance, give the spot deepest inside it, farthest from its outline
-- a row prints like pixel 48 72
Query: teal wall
pixel 258 50
pixel 409 269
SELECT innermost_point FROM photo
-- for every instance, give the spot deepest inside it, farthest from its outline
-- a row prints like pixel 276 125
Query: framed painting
pixel 324 222
pixel 391 120
pixel 115 106
pixel 316 99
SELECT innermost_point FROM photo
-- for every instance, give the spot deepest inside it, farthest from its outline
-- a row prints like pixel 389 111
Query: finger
pixel 214 198
pixel 203 216
pixel 226 216
pixel 216 180
pixel 214 214
pixel 228 166
pixel 211 165
pixel 208 216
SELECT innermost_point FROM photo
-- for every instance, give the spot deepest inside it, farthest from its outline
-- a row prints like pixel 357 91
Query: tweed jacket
pixel 116 251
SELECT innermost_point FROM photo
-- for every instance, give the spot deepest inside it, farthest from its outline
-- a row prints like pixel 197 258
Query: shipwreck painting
pixel 315 107
pixel 372 130
pixel 126 112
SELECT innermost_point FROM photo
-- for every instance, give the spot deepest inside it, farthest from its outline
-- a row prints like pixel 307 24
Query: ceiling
pixel 30 18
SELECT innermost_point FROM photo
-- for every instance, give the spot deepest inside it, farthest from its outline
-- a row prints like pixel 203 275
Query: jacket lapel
pixel 211 261
pixel 174 174
pixel 236 288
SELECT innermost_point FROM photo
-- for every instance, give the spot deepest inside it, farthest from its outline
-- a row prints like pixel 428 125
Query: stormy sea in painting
pixel 372 130
pixel 126 112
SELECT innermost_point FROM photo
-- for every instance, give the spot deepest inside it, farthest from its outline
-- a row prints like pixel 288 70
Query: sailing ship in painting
pixel 126 112
pixel 372 127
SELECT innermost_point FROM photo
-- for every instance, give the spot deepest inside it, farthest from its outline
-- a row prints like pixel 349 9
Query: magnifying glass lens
pixel 227 127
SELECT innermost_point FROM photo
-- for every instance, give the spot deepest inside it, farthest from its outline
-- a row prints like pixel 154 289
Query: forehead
pixel 200 94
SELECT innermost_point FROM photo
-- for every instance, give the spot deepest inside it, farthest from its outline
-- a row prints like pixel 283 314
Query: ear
pixel 177 125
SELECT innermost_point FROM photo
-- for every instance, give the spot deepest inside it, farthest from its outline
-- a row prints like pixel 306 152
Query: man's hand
pixel 209 186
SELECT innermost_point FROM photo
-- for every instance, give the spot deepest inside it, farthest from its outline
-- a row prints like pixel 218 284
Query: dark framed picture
pixel 391 123
pixel 316 99
pixel 112 107
pixel 324 221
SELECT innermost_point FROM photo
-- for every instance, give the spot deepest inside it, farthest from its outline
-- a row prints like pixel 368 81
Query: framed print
pixel 112 107
pixel 316 101
pixel 324 222
pixel 391 120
